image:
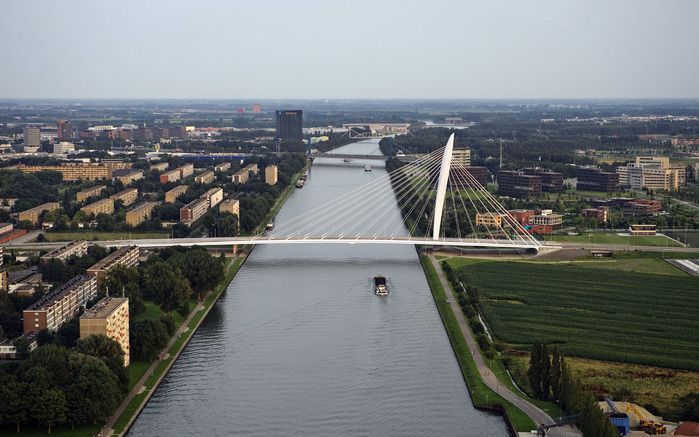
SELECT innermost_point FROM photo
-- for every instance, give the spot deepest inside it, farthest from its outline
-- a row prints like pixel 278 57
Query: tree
pixel 147 338
pixel 52 410
pixel 556 374
pixel 201 269
pixel 126 280
pixel 166 286
pixel 689 407
pixel 545 372
pixel 109 352
pixel 534 372
pixel 96 387
pixel 14 407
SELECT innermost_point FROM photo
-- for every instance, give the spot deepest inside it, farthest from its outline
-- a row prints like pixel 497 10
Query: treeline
pixel 30 190
pixel 55 385
pixel 550 378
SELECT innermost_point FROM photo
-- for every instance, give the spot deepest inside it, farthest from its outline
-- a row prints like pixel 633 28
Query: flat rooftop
pixel 104 308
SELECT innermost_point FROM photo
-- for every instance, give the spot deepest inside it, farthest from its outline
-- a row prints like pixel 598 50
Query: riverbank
pixel 467 352
pixel 133 404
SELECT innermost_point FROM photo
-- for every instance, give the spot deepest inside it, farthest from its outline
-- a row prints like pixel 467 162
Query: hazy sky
pixel 349 49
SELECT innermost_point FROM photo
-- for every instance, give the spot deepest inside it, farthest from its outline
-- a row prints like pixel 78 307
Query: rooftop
pixel 59 293
pixel 104 307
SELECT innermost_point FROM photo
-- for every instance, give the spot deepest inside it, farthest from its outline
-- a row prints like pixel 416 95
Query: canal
pixel 299 345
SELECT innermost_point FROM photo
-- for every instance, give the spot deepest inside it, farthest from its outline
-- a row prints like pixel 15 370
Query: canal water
pixel 300 346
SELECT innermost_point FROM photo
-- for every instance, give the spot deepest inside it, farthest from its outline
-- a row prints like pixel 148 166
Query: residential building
pixel 63 148
pixel 75 171
pixel 161 166
pixel 64 130
pixel 594 179
pixel 461 156
pixel 32 139
pixel 102 206
pixel 60 305
pixel 206 177
pixel 186 170
pixel 517 184
pixel 128 176
pixel 127 196
pixel 193 211
pixel 214 196
pixel 241 176
pixel 289 124
pixel 551 181
pixel 140 213
pixel 271 175
pixel 109 317
pixel 170 176
pixel 126 256
pixel 90 192
pixel 4 229
pixel 172 195
pixel 231 206
pixel 24 279
pixel 222 166
pixel 601 213
pixel 32 215
pixel 253 168
pixel 116 164
pixel 8 351
pixel 547 218
pixel 72 248
pixel 489 219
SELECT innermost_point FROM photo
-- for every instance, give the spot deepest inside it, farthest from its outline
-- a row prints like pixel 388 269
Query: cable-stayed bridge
pixel 429 201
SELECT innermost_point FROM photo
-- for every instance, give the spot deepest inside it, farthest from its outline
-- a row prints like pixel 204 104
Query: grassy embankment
pixel 139 368
pixel 481 395
pixel 613 238
pixel 632 314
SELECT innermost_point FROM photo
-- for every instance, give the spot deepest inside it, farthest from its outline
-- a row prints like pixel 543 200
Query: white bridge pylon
pixel 444 170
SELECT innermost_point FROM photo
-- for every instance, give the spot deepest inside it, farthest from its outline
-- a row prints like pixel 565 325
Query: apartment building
pixel 161 167
pixel 80 171
pixel 206 177
pixel 102 206
pixel 214 196
pixel 127 256
pixel 170 176
pixel 109 317
pixel 231 206
pixel 186 170
pixel 32 214
pixel 72 248
pixel 140 213
pixel 127 196
pixel 60 305
pixel 222 166
pixel 241 176
pixel 253 168
pixel 85 194
pixel 127 176
pixel 172 195
pixel 271 175
pixel 193 211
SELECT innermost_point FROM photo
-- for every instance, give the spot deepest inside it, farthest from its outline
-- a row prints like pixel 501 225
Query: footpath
pixel 491 380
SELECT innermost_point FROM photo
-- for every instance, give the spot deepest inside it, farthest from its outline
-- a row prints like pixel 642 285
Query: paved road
pixel 535 413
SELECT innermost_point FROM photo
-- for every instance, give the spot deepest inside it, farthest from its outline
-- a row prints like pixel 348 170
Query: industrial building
pixel 289 124
pixel 517 184
pixel 594 179
pixel 231 206
pixel 102 206
pixel 127 196
pixel 140 213
pixel 32 214
pixel 109 317
pixel 206 177
pixel 172 195
pixel 60 305
pixel 72 248
pixel 271 175
pixel 85 194
pixel 126 256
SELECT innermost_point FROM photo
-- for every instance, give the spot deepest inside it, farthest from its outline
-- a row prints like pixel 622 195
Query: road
pixel 535 413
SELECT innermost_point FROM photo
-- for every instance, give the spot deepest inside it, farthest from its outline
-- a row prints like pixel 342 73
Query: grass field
pixel 610 238
pixel 598 313
pixel 481 395
pixel 88 235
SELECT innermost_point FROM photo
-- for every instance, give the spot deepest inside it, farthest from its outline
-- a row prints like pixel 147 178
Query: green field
pixel 592 312
pixel 96 235
pixel 609 238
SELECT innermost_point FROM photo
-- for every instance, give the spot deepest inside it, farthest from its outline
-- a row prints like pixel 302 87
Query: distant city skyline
pixel 311 49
